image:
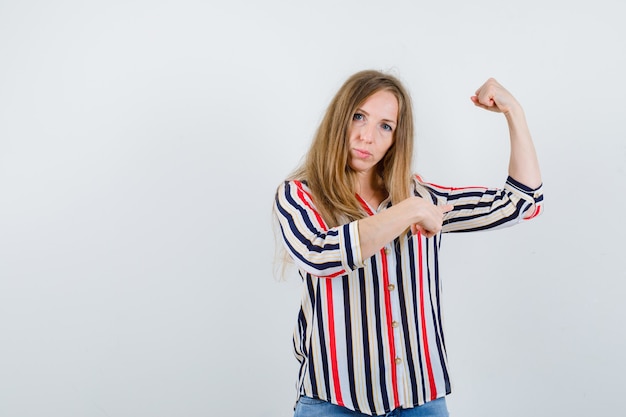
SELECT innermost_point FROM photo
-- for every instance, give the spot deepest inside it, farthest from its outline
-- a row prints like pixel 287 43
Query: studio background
pixel 141 143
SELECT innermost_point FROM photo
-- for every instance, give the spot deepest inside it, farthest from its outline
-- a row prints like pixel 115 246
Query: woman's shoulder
pixel 293 182
pixel 294 187
pixel 419 183
pixel 424 188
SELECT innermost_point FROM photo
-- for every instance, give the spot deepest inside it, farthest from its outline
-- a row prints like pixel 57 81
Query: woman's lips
pixel 361 153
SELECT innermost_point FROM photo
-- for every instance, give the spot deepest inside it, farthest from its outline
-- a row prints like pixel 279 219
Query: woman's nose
pixel 367 133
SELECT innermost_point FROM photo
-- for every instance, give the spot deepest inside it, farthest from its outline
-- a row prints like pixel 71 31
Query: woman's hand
pixel 493 97
pixel 429 216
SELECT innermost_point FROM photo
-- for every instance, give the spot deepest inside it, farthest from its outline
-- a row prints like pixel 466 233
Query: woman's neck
pixel 371 188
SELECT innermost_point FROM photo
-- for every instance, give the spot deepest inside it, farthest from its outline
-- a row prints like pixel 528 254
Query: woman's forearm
pixel 523 162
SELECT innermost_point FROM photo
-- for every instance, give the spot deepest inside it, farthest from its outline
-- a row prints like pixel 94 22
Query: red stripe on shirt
pixel 449 188
pixel 301 194
pixel 333 343
pixel 429 367
pixel 336 274
pixel 535 213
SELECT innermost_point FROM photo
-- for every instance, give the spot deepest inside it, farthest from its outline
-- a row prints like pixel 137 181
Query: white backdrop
pixel 140 146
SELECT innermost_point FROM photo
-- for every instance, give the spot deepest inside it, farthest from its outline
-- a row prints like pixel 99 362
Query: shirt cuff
pixel 351 246
pixel 533 196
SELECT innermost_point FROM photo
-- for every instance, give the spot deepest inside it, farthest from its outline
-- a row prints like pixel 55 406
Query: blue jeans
pixel 311 407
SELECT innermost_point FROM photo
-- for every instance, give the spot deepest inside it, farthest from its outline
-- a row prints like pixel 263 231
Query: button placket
pixel 391 287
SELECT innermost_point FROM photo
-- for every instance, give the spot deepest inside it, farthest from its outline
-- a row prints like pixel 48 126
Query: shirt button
pixel 394 324
pixel 398 361
pixel 387 251
pixel 391 287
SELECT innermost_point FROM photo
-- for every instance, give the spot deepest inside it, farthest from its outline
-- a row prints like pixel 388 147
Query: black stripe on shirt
pixel 416 309
pixel 405 323
pixel 366 345
pixel 439 325
pixel 376 283
pixel 348 246
pixel 349 349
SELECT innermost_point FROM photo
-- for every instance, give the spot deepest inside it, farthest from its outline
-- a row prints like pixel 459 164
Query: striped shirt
pixel 369 332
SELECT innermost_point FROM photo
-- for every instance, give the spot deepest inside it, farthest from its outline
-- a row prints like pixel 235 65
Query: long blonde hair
pixel 325 167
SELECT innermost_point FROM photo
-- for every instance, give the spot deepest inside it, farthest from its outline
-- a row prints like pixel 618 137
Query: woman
pixel 365 234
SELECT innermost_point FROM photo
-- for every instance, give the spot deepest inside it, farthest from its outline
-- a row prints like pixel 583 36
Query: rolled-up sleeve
pixel 318 250
pixel 533 197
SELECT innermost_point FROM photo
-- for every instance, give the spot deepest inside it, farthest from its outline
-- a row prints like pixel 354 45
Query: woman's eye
pixel 358 116
pixel 387 127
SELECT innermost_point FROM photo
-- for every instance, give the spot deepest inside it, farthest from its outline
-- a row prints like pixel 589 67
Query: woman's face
pixel 371 131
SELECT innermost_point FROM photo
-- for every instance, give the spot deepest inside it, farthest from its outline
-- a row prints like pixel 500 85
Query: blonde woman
pixel 365 233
